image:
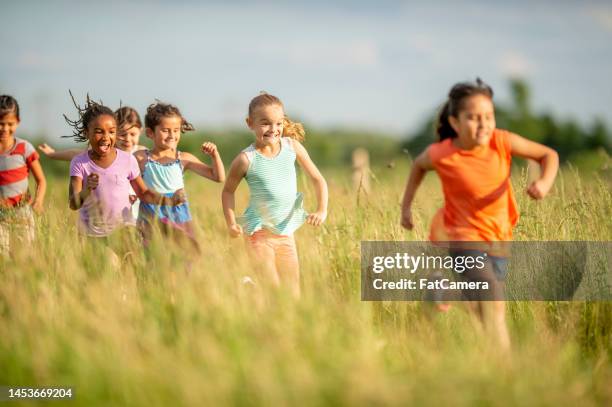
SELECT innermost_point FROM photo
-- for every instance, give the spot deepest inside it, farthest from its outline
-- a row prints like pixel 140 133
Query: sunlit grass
pixel 152 334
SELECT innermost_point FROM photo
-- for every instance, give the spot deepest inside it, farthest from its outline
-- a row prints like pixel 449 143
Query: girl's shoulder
pixel 141 157
pixel 440 149
pixel 81 164
pixel 122 154
pixel 247 153
pixel 288 142
pixel 124 157
pixel 81 158
pixel 185 156
pixel 141 154
pixel 500 141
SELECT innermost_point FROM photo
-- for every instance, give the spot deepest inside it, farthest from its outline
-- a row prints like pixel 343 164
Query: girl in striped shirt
pixel 17 160
pixel 275 207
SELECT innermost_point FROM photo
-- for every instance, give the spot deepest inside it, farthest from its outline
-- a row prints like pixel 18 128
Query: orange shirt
pixel 479 203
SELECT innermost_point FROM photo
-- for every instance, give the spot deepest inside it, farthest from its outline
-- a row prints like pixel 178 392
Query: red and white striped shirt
pixel 14 170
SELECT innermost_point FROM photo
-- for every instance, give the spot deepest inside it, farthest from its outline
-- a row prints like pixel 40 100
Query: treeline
pixel 328 148
pixel 585 146
pixel 567 137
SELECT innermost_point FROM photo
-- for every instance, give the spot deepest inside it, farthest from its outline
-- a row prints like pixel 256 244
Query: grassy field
pixel 151 334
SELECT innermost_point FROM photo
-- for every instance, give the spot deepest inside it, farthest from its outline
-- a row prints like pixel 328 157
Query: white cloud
pixel 36 60
pixel 513 64
pixel 364 54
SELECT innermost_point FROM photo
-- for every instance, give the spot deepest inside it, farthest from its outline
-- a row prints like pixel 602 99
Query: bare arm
pixel 420 166
pixel 318 182
pixel 152 197
pixel 64 155
pixel 76 194
pixel 41 186
pixel 216 172
pixel 237 171
pixel 545 156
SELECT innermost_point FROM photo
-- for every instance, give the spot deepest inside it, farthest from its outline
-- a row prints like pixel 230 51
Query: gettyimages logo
pixel 412 264
pixel 415 271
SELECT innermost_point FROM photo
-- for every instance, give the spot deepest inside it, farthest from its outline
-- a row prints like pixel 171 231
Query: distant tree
pixel 598 136
pixel 567 137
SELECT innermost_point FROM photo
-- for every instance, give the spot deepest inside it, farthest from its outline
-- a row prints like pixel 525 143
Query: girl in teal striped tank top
pixel 275 207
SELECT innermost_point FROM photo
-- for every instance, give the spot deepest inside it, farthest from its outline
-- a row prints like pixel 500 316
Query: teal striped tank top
pixel 274 203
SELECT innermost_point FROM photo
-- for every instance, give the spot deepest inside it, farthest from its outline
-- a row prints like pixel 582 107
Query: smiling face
pixel 8 125
pixel 128 137
pixel 167 134
pixel 475 121
pixel 267 124
pixel 102 134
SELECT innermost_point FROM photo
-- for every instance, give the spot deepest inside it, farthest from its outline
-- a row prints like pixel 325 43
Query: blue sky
pixel 382 65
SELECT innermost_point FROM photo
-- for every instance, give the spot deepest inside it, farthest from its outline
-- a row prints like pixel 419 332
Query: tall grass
pixel 152 334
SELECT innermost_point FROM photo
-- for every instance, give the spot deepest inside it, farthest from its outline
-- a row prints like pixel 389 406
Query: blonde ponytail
pixel 293 130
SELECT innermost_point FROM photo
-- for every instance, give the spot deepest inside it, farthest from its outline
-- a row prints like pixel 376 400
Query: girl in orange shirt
pixel 473 159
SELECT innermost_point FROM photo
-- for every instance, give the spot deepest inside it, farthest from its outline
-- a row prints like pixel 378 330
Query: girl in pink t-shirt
pixel 100 178
pixel 129 127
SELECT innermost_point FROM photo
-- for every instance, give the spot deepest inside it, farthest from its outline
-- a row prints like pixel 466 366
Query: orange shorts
pixel 274 253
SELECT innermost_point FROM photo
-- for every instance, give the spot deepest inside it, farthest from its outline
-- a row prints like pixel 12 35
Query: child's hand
pixel 133 198
pixel 316 218
pixel 92 181
pixel 37 206
pixel 179 197
pixel 209 148
pixel 235 230
pixel 46 149
pixel 407 218
pixel 538 189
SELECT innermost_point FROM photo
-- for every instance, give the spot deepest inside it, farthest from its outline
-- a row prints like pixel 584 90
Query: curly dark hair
pixel 8 105
pixel 87 114
pixel 158 110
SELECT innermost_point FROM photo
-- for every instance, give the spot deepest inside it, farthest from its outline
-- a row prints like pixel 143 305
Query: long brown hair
pixel 453 105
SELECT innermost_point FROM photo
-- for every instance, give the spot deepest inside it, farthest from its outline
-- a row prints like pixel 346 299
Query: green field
pixel 151 334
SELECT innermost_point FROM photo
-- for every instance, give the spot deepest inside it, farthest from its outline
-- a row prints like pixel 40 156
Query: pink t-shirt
pixel 108 206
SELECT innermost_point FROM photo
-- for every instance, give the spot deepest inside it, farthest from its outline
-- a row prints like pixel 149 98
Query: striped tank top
pixel 274 203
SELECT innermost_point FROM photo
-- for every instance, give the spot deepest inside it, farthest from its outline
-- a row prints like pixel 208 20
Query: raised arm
pixel 318 182
pixel 545 156
pixel 63 155
pixel 420 166
pixel 216 172
pixel 237 171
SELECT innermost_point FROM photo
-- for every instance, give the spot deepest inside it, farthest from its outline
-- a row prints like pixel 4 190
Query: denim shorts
pixel 493 274
pixel 498 264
